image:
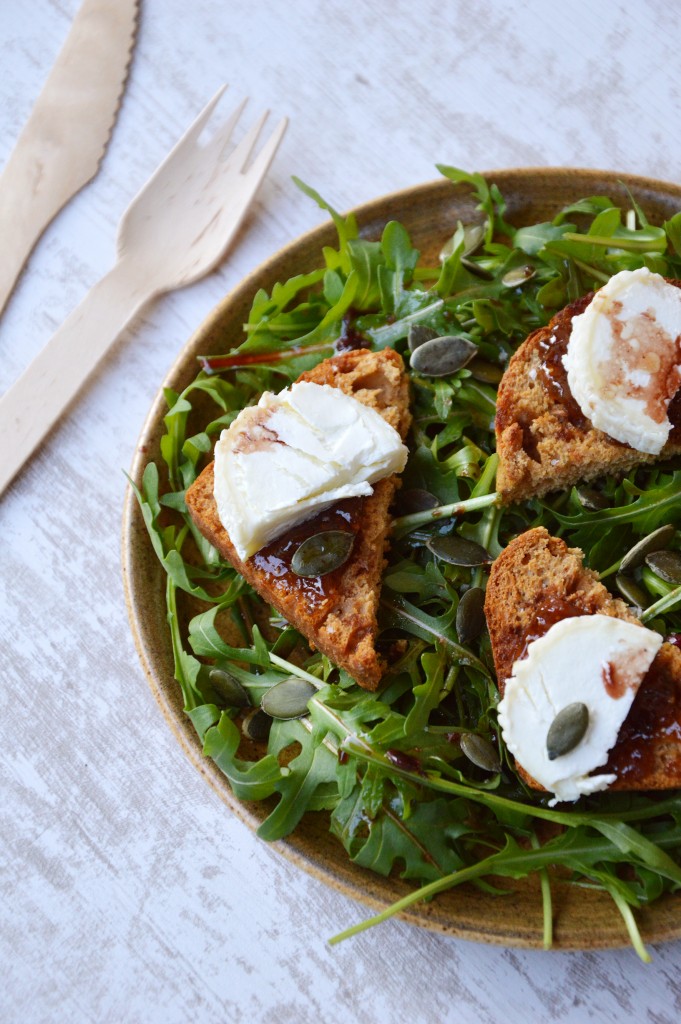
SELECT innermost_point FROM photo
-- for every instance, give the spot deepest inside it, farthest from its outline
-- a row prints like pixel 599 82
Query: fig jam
pixel 319 592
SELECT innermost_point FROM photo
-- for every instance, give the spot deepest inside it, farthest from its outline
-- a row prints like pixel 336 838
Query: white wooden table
pixel 129 891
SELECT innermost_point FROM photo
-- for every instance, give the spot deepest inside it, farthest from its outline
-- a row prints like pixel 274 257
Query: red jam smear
pixel 552 372
pixel 654 719
pixel 553 610
pixel 553 375
pixel 615 682
pixel 320 593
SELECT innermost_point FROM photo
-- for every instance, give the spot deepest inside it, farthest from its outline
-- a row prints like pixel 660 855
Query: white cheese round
pixel 295 454
pixel 595 660
pixel 624 358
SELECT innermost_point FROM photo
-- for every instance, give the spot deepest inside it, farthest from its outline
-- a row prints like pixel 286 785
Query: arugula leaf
pixel 422 845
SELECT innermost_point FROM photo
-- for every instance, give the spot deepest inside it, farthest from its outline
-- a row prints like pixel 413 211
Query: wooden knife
pixel 64 139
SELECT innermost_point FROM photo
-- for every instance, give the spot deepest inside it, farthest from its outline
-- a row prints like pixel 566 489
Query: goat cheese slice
pixel 295 454
pixel 596 660
pixel 623 358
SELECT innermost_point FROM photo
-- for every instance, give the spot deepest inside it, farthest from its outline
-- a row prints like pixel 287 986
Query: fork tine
pixel 242 152
pixel 216 147
pixel 197 126
pixel 224 135
pixel 260 165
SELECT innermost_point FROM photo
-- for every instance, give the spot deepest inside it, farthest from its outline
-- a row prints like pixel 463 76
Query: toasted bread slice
pixel 538 577
pixel 544 441
pixel 337 612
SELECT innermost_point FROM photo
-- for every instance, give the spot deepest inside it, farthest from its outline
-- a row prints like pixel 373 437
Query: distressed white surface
pixel 129 892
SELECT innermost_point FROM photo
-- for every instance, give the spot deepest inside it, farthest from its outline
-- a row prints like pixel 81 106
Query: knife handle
pixel 22 224
pixel 32 406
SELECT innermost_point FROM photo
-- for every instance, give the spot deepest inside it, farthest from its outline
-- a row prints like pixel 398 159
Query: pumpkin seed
pixel 631 592
pixel 591 499
pixel 441 356
pixel 458 551
pixel 666 565
pixel 256 724
pixel 488 373
pixel 470 615
pixel 480 751
pixel 229 688
pixel 518 276
pixel 567 730
pixel 416 499
pixel 322 553
pixel 655 541
pixel 287 699
pixel 473 236
pixel 418 335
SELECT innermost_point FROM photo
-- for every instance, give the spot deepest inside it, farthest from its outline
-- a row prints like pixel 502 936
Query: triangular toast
pixel 337 613
pixel 538 573
pixel 544 441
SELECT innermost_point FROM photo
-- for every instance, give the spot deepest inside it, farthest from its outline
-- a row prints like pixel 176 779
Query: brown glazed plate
pixel 583 918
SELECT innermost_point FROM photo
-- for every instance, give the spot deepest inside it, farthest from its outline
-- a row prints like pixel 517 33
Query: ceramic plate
pixel 583 918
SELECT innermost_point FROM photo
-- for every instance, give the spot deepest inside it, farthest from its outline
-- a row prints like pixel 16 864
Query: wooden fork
pixel 174 232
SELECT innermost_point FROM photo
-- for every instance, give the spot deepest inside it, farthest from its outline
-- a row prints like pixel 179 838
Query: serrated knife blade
pixel 62 143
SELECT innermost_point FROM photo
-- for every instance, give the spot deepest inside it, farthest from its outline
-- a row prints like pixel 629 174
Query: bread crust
pixel 538 571
pixel 544 441
pixel 339 617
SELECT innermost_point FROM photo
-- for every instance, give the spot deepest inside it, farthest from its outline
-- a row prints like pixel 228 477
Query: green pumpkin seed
pixel 631 592
pixel 518 276
pixel 458 551
pixel 416 499
pixel 418 335
pixel 591 499
pixel 322 553
pixel 470 615
pixel 666 565
pixel 256 724
pixel 442 356
pixel 288 699
pixel 229 688
pixel 655 541
pixel 473 237
pixel 487 373
pixel 480 751
pixel 567 730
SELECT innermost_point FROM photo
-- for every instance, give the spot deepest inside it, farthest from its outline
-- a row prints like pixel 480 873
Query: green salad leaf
pixel 415 779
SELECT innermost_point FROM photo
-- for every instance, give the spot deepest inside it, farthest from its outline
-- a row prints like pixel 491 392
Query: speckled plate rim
pixel 583 919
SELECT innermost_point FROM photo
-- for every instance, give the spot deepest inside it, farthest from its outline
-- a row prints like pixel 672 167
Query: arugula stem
pixel 327 742
pixel 391 332
pixel 295 670
pixel 487 477
pixel 426 891
pixel 597 274
pixel 612 242
pixel 610 570
pixel 665 604
pixel 405 524
pixel 630 924
pixel 547 902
